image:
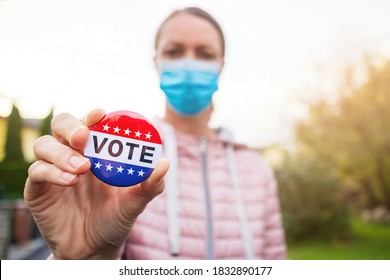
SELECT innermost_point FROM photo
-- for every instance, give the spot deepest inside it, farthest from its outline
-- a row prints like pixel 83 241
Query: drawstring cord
pixel 172 189
pixel 245 230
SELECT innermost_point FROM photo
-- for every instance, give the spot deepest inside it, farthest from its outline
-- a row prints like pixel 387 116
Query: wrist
pixel 112 255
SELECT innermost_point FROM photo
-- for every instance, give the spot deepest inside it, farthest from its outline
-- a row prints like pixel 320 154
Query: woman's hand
pixel 79 216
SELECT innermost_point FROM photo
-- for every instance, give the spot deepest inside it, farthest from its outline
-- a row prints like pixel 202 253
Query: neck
pixel 197 125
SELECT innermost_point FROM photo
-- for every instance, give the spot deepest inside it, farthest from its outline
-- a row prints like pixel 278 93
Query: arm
pixel 79 216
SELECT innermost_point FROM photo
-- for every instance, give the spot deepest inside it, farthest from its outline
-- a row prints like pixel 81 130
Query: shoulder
pixel 251 159
pixel 248 159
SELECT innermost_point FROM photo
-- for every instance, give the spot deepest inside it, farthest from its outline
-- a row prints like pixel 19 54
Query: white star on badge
pixel 130 171
pixel 141 173
pixel 106 127
pixel 116 129
pixel 109 167
pixel 98 165
pixel 138 134
pixel 127 131
pixel 147 136
pixel 120 169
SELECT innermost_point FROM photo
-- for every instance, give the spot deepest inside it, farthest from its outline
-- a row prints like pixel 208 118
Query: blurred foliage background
pixel 336 179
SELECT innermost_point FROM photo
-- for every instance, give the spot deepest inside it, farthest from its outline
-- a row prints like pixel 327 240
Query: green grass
pixel 368 242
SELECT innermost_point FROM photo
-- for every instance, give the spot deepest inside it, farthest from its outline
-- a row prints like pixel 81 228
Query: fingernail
pixel 160 181
pixel 77 161
pixel 73 132
pixel 67 176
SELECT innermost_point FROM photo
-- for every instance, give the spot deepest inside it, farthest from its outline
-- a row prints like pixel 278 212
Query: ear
pixel 222 65
pixel 156 64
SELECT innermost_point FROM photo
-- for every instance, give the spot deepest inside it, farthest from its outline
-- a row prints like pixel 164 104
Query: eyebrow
pixel 207 47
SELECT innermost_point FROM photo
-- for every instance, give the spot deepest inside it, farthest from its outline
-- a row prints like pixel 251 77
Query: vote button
pixel 123 148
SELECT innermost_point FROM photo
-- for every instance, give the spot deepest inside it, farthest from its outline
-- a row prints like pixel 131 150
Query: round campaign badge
pixel 123 148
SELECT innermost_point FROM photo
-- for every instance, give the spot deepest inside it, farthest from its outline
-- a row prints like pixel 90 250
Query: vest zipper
pixel 209 234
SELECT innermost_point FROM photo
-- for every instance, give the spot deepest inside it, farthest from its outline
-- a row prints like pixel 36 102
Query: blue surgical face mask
pixel 189 84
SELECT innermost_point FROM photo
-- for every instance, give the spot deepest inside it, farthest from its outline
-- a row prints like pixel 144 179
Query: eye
pixel 206 54
pixel 172 52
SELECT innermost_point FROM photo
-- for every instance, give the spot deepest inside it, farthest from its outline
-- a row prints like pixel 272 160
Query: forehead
pixel 189 29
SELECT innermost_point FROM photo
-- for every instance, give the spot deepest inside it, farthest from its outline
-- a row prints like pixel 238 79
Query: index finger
pixel 68 129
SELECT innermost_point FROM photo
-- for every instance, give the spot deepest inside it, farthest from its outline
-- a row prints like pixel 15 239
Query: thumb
pixel 154 185
pixel 140 195
pixel 93 117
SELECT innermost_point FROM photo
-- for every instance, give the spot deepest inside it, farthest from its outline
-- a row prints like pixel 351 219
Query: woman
pixel 220 200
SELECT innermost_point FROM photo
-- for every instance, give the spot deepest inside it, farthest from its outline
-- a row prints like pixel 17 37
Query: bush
pixel 311 201
pixel 13 176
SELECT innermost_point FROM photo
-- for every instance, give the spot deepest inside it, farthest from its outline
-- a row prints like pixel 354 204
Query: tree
pixel 46 124
pixel 13 168
pixel 353 134
pixel 13 142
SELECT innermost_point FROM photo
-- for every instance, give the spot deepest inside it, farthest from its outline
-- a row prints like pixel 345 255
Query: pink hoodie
pixel 220 202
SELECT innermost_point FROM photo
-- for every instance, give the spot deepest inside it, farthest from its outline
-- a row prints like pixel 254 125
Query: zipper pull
pixel 203 144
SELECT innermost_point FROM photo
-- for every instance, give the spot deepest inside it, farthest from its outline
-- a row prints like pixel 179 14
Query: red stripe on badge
pixel 128 124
